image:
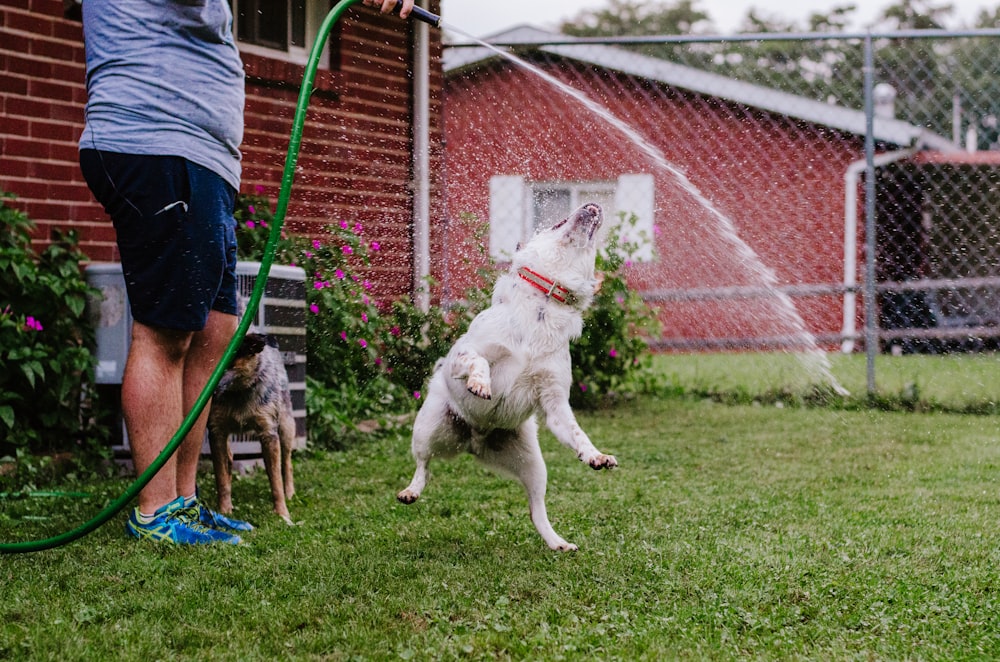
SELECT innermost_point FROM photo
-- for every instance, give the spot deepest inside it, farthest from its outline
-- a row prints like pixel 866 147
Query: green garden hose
pixel 288 176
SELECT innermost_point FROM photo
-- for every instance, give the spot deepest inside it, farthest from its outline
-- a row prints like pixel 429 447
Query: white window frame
pixel 512 210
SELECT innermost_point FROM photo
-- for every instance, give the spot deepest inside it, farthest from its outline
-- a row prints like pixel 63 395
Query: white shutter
pixel 507 210
pixel 634 195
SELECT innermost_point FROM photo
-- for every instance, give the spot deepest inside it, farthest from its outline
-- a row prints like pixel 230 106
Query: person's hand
pixel 386 6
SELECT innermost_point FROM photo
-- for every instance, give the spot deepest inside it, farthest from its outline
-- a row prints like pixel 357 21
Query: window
pixel 554 201
pixel 519 208
pixel 278 28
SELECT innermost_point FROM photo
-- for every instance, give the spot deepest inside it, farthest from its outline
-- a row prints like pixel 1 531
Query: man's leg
pixel 207 347
pixel 152 404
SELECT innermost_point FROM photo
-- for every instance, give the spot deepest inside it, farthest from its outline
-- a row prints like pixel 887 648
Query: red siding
pixel 780 181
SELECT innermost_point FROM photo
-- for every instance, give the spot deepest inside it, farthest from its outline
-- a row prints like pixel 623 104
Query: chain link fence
pixel 836 189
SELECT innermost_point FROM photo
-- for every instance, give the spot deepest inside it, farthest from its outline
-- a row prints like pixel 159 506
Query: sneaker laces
pixel 189 515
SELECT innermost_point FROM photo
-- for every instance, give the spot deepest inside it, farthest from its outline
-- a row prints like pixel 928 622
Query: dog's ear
pixel 253 343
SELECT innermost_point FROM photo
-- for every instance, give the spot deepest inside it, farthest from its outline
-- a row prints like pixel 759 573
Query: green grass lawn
pixel 728 532
pixel 953 381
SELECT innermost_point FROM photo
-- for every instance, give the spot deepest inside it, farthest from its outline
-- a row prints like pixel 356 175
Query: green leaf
pixel 7 416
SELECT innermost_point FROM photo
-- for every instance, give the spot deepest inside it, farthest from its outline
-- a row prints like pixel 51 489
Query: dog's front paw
pixel 479 387
pixel 563 546
pixel 407 496
pixel 602 461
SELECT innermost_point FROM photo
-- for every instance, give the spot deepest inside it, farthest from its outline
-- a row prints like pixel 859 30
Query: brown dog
pixel 253 397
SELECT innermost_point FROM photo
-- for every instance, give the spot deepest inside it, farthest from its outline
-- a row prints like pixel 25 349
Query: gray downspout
pixel 421 163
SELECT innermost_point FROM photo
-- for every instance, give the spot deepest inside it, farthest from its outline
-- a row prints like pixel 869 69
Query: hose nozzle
pixel 420 14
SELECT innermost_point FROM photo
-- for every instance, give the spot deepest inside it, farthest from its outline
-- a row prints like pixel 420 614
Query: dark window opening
pixel 274 24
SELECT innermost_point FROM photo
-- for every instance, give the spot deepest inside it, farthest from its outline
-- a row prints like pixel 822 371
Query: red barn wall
pixel 356 158
pixel 780 183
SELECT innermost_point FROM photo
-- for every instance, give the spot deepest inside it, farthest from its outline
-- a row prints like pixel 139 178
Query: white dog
pixel 513 362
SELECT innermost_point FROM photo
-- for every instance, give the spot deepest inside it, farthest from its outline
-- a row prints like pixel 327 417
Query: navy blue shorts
pixel 176 235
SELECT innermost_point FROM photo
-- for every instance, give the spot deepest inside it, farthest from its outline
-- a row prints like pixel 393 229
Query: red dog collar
pixel 550 287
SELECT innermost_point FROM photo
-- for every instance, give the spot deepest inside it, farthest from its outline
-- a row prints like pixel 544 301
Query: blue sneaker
pixel 213 520
pixel 172 524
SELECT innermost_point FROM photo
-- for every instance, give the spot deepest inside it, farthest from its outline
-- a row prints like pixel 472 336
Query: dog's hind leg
pixel 270 446
pixel 437 432
pixel 519 454
pixel 286 432
pixel 428 418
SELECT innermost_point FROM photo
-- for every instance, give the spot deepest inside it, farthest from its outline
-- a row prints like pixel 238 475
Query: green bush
pixel 348 379
pixel 254 217
pixel 610 359
pixel 46 364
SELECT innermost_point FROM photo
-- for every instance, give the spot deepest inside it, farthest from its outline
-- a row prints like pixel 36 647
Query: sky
pixel 480 19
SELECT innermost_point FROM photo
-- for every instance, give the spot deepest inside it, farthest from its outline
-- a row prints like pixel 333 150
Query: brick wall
pixel 356 158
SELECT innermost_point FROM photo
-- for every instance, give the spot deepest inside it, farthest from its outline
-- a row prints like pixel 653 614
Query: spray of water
pixel 812 357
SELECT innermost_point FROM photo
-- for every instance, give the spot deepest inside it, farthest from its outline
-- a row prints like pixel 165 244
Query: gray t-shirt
pixel 164 77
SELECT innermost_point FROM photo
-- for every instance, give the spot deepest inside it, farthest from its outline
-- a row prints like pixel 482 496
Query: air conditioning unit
pixel 281 314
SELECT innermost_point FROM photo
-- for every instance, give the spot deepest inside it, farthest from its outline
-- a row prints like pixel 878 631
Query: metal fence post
pixel 871 321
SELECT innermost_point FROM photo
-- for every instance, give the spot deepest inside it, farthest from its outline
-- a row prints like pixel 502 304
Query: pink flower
pixel 314 309
pixel 316 244
pixel 367 285
pixel 613 353
pixel 416 395
pixel 251 209
pixel 339 274
pixel 251 225
pixel 395 331
pixel 308 255
pixel 33 324
pixel 258 189
pixel 376 246
pixel 357 228
pixel 346 250
pixel 364 317
pixel 343 225
pixel 583 387
pixel 364 299
pixel 378 360
pixel 343 335
pixel 363 342
pixel 318 285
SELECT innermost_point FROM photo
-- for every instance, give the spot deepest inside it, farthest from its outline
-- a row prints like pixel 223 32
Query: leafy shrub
pixel 254 217
pixel 610 358
pixel 348 378
pixel 46 365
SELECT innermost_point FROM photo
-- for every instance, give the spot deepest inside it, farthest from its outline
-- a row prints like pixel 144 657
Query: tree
pixel 634 17
pixel 932 77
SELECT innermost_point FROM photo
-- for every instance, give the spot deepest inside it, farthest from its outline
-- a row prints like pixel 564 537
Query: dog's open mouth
pixel 584 222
